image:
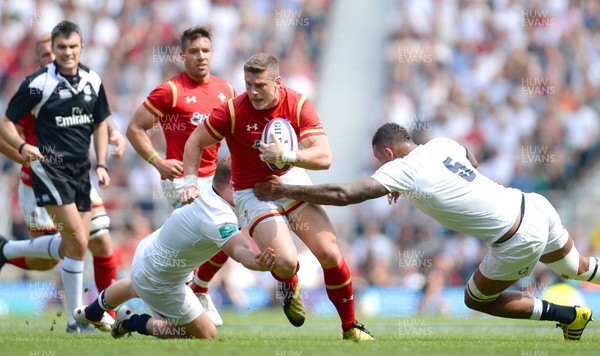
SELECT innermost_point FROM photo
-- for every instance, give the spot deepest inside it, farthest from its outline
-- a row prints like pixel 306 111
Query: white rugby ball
pixel 284 132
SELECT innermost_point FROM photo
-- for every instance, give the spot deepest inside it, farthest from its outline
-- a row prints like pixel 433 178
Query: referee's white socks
pixel 72 278
pixel 46 246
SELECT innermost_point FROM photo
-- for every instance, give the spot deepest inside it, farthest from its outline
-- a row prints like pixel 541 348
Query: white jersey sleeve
pixel 441 181
pixel 397 176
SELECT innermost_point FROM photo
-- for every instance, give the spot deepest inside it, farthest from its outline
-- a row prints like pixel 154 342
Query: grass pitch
pixel 268 333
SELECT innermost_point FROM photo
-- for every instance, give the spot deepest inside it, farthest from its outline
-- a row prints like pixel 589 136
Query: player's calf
pixel 39 264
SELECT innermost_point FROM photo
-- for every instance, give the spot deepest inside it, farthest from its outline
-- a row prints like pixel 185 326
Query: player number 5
pixel 464 172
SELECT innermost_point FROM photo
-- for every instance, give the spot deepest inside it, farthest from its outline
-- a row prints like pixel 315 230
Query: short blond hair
pixel 260 62
pixel 41 40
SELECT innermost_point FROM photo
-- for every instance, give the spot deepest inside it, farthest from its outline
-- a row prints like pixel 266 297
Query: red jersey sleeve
pixel 160 100
pixel 308 120
pixel 220 122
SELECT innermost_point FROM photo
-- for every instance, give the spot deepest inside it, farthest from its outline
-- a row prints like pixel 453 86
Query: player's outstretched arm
pixel 237 248
pixel 325 194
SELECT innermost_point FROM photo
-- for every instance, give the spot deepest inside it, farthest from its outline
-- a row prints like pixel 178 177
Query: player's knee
pixel 286 267
pixel 99 226
pixel 73 247
pixel 475 299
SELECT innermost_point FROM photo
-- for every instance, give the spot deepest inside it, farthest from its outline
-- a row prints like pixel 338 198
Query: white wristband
pixel 288 157
pixel 190 180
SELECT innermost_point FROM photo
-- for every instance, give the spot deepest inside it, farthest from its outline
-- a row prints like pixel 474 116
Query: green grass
pixel 268 333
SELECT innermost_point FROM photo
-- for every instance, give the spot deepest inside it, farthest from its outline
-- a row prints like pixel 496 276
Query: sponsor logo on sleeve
pixel 227 230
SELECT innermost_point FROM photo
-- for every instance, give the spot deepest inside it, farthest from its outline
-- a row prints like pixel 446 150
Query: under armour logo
pixel 252 127
pixel 190 99
pixel 222 97
pixel 346 300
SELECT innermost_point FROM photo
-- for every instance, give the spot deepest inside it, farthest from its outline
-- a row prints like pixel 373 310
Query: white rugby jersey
pixel 190 236
pixel 441 181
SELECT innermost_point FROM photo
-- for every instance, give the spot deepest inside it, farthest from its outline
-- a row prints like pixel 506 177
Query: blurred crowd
pixel 514 81
pixel 517 83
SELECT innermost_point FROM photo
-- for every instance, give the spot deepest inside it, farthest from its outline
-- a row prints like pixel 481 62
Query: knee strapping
pixel 476 294
pixel 99 226
pixel 568 267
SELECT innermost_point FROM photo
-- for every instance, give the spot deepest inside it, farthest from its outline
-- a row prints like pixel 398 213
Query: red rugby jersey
pixel 241 125
pixel 180 105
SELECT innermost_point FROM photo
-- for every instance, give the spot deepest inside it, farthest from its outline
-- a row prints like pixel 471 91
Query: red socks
pixel 105 274
pixel 19 262
pixel 339 290
pixel 205 273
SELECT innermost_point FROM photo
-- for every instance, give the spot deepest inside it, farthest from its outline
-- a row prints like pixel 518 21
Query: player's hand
pixel 269 190
pixel 118 140
pixel 393 197
pixel 31 153
pixel 272 152
pixel 188 194
pixel 103 177
pixel 168 168
pixel 266 259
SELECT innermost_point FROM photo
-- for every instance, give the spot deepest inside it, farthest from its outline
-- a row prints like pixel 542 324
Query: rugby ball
pixel 284 132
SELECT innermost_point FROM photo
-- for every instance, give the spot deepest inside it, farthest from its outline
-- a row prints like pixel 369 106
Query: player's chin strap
pixel 99 226
pixel 476 294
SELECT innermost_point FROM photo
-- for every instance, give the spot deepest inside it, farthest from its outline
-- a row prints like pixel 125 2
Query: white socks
pixel 72 278
pixel 46 246
pixel 538 308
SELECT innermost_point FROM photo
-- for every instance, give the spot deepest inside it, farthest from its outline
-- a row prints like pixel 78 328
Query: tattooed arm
pixel 326 194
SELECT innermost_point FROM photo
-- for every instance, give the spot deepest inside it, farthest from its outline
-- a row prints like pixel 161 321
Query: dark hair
pixel 193 33
pixel 65 29
pixel 260 62
pixel 223 173
pixel 389 134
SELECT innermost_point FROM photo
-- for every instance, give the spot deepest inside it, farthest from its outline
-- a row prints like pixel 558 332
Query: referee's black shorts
pixel 62 183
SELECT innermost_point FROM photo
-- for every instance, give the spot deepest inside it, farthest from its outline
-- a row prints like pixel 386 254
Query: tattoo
pixel 336 194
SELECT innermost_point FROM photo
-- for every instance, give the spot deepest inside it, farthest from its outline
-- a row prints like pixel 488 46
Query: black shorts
pixel 62 183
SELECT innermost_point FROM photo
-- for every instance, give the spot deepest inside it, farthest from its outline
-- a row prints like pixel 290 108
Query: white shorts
pixel 172 188
pixel 175 303
pixel 36 218
pixel 541 232
pixel 95 197
pixel 252 211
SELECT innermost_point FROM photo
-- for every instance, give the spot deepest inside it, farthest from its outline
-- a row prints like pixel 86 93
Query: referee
pixel 68 102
